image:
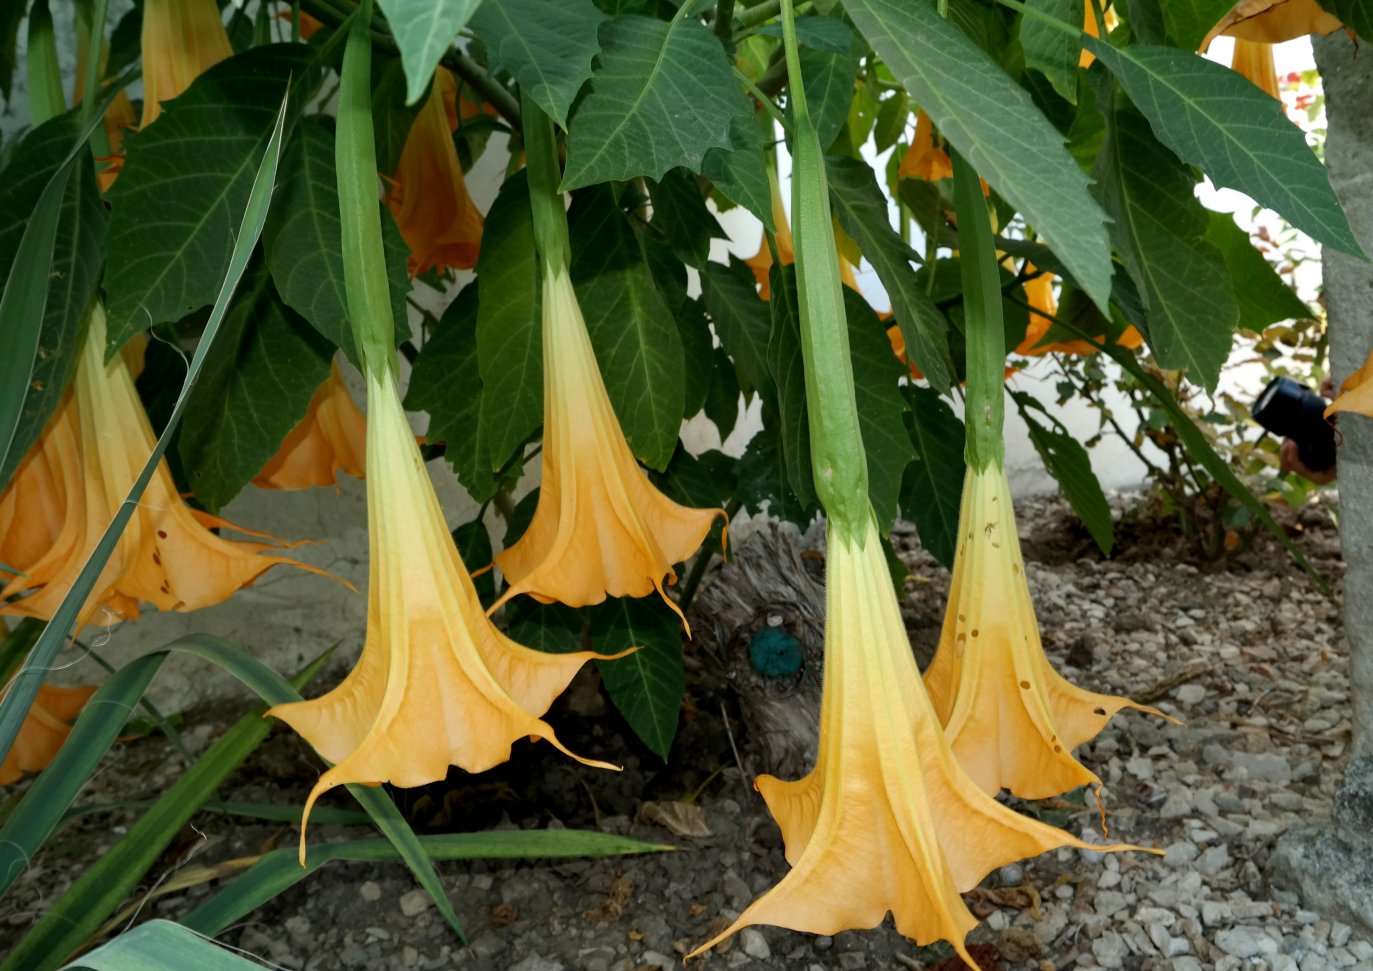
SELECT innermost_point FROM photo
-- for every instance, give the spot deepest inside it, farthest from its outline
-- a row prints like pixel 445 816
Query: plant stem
pixel 724 24
pixel 760 14
pixel 702 561
pixel 545 198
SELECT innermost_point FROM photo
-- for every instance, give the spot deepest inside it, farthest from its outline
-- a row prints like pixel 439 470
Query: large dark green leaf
pixel 662 96
pixel 680 213
pixel 1219 121
pixel 740 174
pixel 1052 52
pixel 876 372
pixel 829 79
pixel 1263 297
pixel 177 202
pixel 933 488
pixel 995 125
pixel 704 481
pixel 256 386
pixel 862 211
pixel 446 382
pixel 509 324
pixel 1069 464
pixel 304 241
pixel 741 319
pixel 548 45
pixel 1357 15
pixel 424 30
pixel 34 381
pixel 1189 21
pixel 647 685
pixel 637 343
pixel 1160 230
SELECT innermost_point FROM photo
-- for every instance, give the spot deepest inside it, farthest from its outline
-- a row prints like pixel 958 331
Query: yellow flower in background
pixel 1039 294
pixel 119 117
pixel 182 39
pixel 1089 26
pixel 428 197
pixel 90 455
pixel 761 262
pixel 1254 60
pixel 1273 21
pixel 331 438
pixel 924 159
pixel 887 820
pixel 1011 719
pixel 1356 395
pixel 600 527
pixel 45 729
pixel 437 683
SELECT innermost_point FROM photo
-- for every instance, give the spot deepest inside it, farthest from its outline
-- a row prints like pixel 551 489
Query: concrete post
pixel 1331 866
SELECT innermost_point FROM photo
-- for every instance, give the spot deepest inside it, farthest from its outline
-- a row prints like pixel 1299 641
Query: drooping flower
pixel 88 458
pixel 1254 60
pixel 600 527
pixel 1011 719
pixel 1039 294
pixel 1273 21
pixel 1356 395
pixel 887 820
pixel 428 197
pixel 437 683
pixel 182 39
pixel 45 729
pixel 924 159
pixel 331 438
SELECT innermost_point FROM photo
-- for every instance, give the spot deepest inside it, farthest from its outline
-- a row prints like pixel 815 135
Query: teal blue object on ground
pixel 774 653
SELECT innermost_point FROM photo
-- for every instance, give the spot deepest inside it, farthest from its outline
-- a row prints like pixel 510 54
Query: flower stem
pixel 545 198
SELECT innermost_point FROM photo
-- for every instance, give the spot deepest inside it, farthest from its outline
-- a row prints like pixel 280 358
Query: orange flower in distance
pixel 331 438
pixel 437 684
pixel 1039 294
pixel 924 159
pixel 1011 719
pixel 1089 26
pixel 1356 395
pixel 1273 21
pixel 89 455
pixel 887 820
pixel 600 527
pixel 761 262
pixel 182 39
pixel 45 729
pixel 428 198
pixel 1254 60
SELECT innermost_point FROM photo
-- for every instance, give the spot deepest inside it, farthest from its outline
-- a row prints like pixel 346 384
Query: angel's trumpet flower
pixel 1012 720
pixel 45 729
pixel 437 684
pixel 887 820
pixel 428 197
pixel 1273 21
pixel 1356 395
pixel 601 527
pixel 924 159
pixel 331 438
pixel 90 455
pixel 761 262
pixel 182 39
pixel 1039 294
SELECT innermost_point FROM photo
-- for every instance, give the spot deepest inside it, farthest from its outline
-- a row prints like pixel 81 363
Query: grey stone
pixel 1214 860
pixel 656 959
pixel 752 943
pixel 1110 949
pixel 1180 854
pixel 596 958
pixel 414 903
pixel 1241 942
pixel 1333 874
pixel 1266 766
pixel 370 891
pixel 853 961
pixel 537 962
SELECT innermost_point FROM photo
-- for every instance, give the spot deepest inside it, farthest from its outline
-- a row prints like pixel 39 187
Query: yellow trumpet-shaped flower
pixel 761 262
pixel 182 39
pixel 331 438
pixel 1039 294
pixel 600 527
pixel 924 159
pixel 1254 60
pixel 1012 720
pixel 437 684
pixel 45 729
pixel 1273 21
pixel 428 197
pixel 1356 395
pixel 87 460
pixel 887 820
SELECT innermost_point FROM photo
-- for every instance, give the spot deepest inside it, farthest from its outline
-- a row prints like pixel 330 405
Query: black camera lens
pixel 1292 410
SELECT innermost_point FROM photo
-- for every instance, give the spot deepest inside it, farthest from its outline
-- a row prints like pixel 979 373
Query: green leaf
pixel 1052 52
pixel 1189 21
pixel 424 30
pixel 177 202
pixel 821 33
pixel 69 265
pixel 279 870
pixel 548 45
pixel 474 546
pixel 1263 296
pixel 1160 231
pixel 932 491
pixel 788 377
pixel 11 16
pixel 742 321
pixel 876 373
pixel 862 210
pixel 392 118
pixel 1069 464
pixel 509 323
pixel 829 81
pixel 552 628
pixel 680 213
pixel 446 382
pixel 722 397
pixel 1220 122
pixel 741 174
pixel 304 241
pixel 646 686
pixel 160 945
pixel 632 330
pixel 1357 15
pixel 255 388
pixel 993 123
pixel 705 481
pixel 664 94
pixel 698 355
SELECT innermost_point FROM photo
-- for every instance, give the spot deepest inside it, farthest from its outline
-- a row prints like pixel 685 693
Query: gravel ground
pixel 1247 653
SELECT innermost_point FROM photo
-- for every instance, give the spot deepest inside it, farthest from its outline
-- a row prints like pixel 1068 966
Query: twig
pixel 743 773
